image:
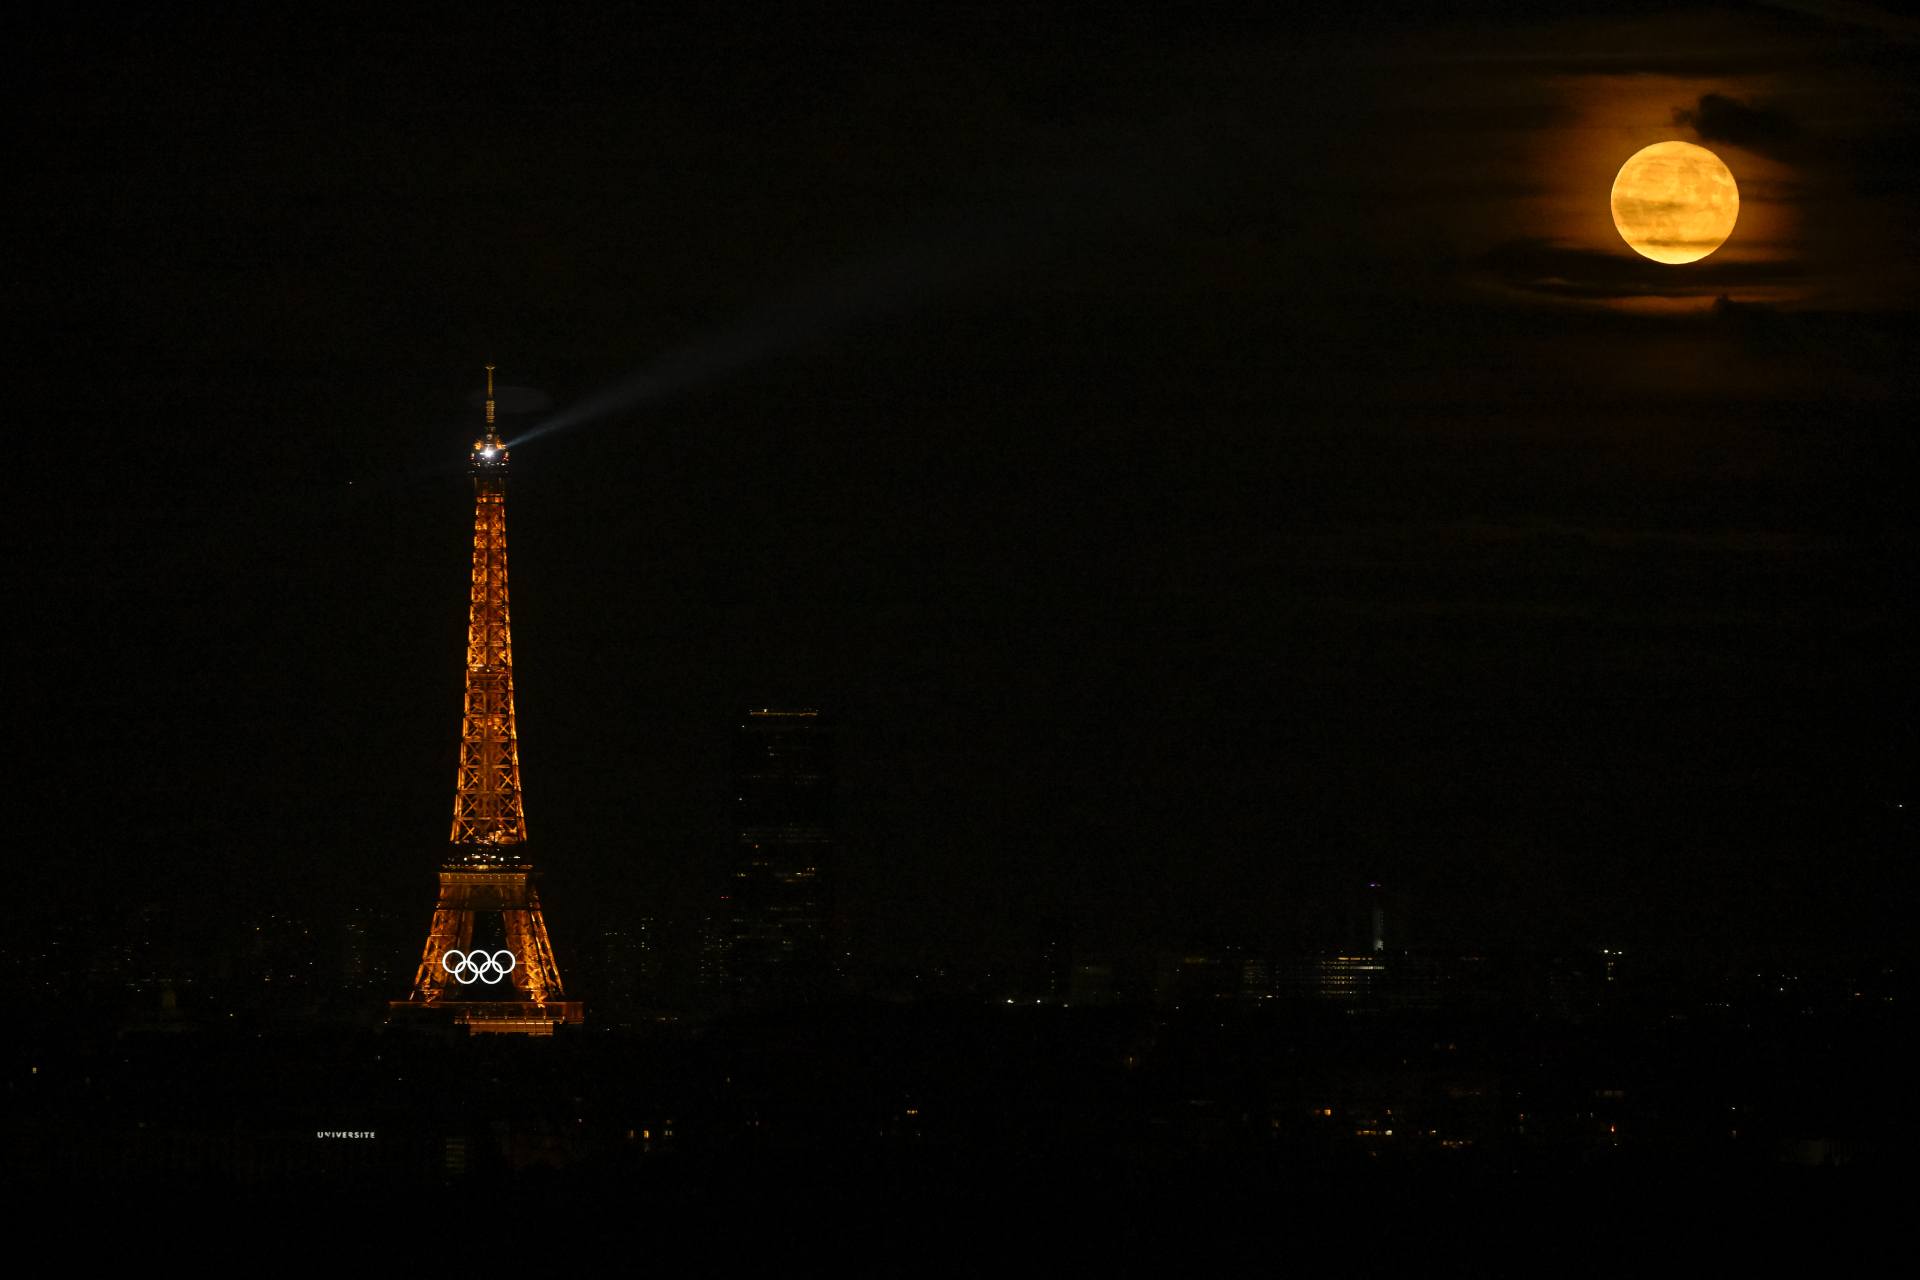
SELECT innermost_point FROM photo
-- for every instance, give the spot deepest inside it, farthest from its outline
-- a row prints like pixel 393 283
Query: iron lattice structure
pixel 487 896
pixel 505 894
pixel 487 812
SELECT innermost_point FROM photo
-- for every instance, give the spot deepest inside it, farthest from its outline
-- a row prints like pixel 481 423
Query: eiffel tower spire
pixel 487 813
pixel 487 900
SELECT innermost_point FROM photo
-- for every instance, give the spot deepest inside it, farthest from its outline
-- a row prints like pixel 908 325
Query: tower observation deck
pixel 488 963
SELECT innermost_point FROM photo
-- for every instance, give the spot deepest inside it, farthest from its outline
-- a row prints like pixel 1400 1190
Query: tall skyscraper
pixel 626 969
pixel 778 910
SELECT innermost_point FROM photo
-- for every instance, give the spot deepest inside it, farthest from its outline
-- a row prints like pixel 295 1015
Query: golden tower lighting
pixel 488 923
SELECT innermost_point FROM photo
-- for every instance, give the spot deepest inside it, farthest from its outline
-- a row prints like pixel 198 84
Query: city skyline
pixel 1210 630
pixel 1203 468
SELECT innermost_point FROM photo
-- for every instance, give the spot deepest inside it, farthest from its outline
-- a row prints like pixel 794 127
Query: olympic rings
pixel 477 966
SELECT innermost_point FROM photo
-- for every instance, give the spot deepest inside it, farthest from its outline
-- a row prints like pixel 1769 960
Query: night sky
pixel 1200 466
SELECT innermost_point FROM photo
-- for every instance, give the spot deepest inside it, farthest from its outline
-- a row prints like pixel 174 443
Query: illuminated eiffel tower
pixel 488 965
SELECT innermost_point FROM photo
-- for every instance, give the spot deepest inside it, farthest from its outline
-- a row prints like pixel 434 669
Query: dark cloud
pixel 1541 266
pixel 1763 58
pixel 1761 129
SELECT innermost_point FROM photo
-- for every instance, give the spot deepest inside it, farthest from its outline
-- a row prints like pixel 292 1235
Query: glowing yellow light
pixel 1675 202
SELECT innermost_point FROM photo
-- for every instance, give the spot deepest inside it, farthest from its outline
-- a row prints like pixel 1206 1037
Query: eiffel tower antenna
pixel 487 900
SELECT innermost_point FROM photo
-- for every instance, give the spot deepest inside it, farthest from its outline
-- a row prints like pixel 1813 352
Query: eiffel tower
pixel 488 965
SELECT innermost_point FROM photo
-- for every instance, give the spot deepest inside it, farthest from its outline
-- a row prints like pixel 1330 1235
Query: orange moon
pixel 1675 202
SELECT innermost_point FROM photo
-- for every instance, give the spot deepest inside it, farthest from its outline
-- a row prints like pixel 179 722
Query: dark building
pixel 1357 982
pixel 716 950
pixel 780 940
pixel 627 971
pixel 1056 964
pixel 366 949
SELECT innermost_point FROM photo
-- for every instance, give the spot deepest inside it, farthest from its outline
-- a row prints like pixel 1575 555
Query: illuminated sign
pixel 351 1133
pixel 478 966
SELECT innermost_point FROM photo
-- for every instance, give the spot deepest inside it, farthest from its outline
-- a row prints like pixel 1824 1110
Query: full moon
pixel 1675 202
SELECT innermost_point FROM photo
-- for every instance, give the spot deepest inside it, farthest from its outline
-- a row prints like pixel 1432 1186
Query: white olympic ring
pixel 477 966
